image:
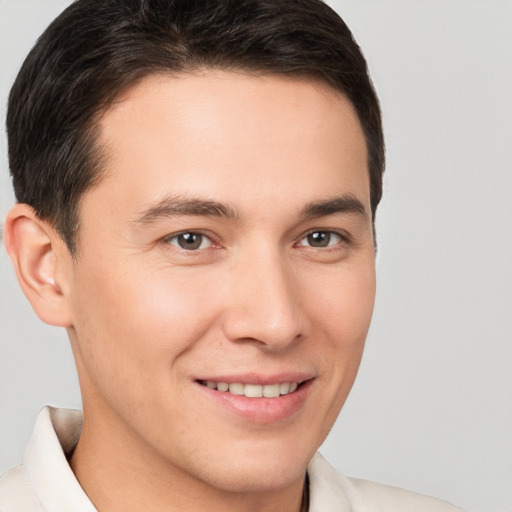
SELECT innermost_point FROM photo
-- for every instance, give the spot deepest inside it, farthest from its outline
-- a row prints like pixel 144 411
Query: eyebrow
pixel 341 204
pixel 172 206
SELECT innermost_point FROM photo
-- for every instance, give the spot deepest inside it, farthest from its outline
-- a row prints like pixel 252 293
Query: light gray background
pixel 432 408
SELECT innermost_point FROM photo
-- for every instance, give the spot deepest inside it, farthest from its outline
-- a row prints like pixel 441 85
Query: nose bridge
pixel 264 304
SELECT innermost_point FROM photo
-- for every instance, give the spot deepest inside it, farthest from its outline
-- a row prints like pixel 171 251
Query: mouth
pixel 264 402
pixel 253 390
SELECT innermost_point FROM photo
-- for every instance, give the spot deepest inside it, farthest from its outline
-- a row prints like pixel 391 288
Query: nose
pixel 263 304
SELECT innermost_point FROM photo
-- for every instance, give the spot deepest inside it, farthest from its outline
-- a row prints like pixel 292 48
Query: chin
pixel 266 480
pixel 261 470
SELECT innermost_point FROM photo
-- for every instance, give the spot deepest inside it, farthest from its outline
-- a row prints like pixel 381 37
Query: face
pixel 229 246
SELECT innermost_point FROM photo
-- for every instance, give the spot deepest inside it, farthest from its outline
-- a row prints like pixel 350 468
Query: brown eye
pixel 320 239
pixel 190 241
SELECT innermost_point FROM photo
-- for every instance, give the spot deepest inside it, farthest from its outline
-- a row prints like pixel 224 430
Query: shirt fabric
pixel 46 483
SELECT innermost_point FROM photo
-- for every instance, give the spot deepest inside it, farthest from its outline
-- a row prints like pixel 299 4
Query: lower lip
pixel 260 410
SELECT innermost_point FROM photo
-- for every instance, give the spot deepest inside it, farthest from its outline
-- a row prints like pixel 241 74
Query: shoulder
pixel 16 493
pixel 329 489
pixel 386 498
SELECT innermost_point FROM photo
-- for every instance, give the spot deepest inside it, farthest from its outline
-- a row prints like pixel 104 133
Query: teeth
pixel 254 390
pixel 284 388
pixel 271 390
pixel 236 388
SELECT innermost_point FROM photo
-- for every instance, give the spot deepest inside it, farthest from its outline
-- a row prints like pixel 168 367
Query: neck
pixel 120 472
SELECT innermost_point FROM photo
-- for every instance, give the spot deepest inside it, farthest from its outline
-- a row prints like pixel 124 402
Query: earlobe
pixel 39 260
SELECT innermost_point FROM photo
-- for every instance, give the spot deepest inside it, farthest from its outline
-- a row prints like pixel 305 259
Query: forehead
pixel 218 133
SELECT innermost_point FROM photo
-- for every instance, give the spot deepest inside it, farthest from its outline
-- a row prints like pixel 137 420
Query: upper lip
pixel 258 378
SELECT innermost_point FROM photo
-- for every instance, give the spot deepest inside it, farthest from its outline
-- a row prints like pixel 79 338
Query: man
pixel 197 185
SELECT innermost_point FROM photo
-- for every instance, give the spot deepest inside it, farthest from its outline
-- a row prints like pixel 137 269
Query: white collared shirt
pixel 46 483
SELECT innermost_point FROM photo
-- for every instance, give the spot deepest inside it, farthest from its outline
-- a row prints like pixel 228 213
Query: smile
pixel 253 390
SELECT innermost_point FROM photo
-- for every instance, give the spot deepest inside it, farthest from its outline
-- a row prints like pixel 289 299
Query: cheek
pixel 132 326
pixel 343 303
pixel 341 316
pixel 150 308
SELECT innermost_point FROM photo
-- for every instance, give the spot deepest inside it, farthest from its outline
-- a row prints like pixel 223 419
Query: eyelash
pixel 170 238
pixel 342 238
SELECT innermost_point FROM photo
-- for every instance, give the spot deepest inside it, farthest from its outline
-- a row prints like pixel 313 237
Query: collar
pixel 55 436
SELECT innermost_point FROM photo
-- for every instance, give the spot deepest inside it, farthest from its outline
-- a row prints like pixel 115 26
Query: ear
pixel 42 264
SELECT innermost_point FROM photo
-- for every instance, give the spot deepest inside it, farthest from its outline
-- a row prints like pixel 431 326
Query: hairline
pixel 98 147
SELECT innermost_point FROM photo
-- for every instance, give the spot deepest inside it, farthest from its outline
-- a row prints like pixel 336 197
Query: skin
pixel 147 318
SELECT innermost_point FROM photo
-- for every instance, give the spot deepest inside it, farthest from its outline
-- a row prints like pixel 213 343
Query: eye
pixel 320 239
pixel 190 241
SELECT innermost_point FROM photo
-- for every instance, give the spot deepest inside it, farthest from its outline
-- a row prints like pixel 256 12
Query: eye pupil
pixel 319 239
pixel 190 241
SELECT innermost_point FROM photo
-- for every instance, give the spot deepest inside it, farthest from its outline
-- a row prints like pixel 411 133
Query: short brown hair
pixel 97 48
